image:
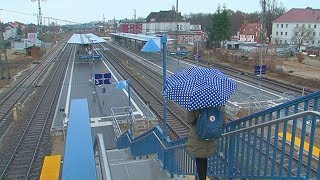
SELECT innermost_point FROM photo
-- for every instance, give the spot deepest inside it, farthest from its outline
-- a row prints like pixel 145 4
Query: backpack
pixel 209 123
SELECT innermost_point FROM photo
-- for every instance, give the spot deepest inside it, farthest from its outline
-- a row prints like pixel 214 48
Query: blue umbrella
pixel 198 87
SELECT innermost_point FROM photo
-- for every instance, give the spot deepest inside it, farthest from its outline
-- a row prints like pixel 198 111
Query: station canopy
pixel 141 37
pixel 85 39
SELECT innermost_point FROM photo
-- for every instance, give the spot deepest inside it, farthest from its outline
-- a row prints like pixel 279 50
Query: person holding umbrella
pixel 201 91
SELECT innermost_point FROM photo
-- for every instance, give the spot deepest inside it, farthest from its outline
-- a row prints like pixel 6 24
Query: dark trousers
pixel 202 166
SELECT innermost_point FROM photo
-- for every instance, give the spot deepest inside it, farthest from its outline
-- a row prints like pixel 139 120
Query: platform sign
pixel 107 75
pixel 100 79
pixel 107 81
pixel 260 68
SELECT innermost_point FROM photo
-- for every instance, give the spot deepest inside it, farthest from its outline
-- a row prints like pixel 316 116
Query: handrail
pixel 104 164
pixel 269 123
pixel 275 108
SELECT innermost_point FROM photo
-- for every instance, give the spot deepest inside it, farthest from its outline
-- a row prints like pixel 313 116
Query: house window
pixel 277 25
pixel 307 42
pixel 280 41
pixel 286 33
pixel 281 25
pixel 303 25
pixel 297 25
pixel 318 41
pixel 309 26
pixel 285 41
pixel 314 26
pixel 277 33
pixel 312 42
pixel 314 34
pixel 281 33
pixel 286 25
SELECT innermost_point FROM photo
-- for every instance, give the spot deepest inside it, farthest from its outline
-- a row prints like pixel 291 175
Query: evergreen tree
pixel 220 28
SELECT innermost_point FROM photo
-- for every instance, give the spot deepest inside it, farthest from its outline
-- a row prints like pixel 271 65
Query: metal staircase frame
pixel 249 148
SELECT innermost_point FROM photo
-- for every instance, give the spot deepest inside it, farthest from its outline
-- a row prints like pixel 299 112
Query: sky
pixel 93 10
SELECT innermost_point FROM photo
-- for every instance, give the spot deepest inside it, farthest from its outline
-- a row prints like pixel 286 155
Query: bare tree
pixel 274 9
pixel 302 35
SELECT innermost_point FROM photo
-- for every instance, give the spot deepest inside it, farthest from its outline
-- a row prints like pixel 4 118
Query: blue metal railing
pixel 255 146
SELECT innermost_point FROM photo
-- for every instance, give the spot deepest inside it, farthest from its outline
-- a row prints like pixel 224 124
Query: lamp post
pixel 164 68
pixel 150 46
pixel 122 85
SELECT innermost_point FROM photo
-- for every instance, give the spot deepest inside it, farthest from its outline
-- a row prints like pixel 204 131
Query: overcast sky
pixel 93 10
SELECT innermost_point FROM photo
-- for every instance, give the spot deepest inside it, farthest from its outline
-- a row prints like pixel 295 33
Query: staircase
pixel 260 146
pixel 124 166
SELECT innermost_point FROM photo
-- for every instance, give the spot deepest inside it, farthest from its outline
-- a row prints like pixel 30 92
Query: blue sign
pixel 102 78
pixel 107 75
pixel 260 68
pixel 107 81
pixel 98 76
pixel 98 81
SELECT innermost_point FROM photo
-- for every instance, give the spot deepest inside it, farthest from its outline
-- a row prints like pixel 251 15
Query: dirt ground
pixel 309 68
pixel 17 63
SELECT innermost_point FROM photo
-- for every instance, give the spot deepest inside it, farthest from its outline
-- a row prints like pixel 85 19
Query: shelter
pixel 85 39
pixel 34 51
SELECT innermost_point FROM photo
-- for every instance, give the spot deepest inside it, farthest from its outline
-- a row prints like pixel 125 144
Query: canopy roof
pixel 85 39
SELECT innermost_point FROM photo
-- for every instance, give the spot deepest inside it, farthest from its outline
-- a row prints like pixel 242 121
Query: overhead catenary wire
pixel 35 15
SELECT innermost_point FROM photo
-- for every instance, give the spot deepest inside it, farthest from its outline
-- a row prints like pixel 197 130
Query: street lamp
pixel 122 85
pixel 150 46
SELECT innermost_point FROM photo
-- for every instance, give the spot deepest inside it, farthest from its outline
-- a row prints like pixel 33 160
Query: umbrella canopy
pixel 198 87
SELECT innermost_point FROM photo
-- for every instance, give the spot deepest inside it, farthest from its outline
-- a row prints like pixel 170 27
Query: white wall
pixel 246 38
pixel 287 30
pixel 10 33
pixel 153 27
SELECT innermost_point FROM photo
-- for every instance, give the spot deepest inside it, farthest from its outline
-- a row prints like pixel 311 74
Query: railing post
pixel 231 154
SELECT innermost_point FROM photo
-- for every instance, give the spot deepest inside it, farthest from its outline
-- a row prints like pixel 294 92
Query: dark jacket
pixel 197 147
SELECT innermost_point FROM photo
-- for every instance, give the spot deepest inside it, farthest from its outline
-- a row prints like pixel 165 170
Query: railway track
pixel 275 85
pixel 149 85
pixel 25 151
pixel 269 155
pixel 17 93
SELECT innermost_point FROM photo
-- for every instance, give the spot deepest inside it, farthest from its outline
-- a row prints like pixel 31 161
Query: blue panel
pixel 98 76
pixel 107 75
pixel 98 82
pixel 258 67
pixel 84 57
pixel 79 160
pixel 150 46
pixel 107 81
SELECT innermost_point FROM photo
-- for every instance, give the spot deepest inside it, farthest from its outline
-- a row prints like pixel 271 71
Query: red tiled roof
pixel 296 15
pixel 250 28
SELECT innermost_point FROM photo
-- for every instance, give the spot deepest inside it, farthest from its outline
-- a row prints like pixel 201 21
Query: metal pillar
pixel 130 110
pixel 198 52
pixel 164 54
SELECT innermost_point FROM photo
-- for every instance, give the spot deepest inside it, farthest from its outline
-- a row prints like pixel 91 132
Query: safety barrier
pixel 103 158
pixel 250 147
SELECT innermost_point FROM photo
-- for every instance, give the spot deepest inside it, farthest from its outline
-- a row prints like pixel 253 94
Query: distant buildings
pixel 13 30
pixel 169 22
pixel 298 26
pixel 131 26
pixel 250 32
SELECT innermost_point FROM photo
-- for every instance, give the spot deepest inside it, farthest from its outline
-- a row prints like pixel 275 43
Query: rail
pixel 269 123
pixel 103 158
